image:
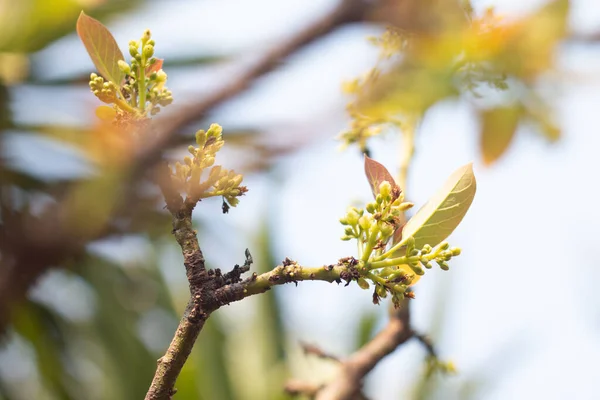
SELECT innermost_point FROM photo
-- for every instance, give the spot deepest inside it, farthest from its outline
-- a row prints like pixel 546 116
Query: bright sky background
pixel 519 307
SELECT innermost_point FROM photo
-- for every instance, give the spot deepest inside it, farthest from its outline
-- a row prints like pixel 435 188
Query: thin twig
pixel 318 352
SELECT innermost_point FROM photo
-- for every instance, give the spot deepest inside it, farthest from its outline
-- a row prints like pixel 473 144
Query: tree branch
pixel 348 384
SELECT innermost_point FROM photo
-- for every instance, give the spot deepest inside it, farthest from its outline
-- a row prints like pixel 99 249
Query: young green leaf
pixel 436 220
pixel 377 173
pixel 498 127
pixel 102 48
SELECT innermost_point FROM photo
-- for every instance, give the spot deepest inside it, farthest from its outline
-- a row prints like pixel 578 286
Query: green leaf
pixel 498 127
pixel 438 218
pixel 101 46
pixel 377 173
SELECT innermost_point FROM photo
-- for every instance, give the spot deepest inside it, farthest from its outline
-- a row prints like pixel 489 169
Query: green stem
pixel 392 250
pixel 123 105
pixel 391 262
pixel 141 80
pixel 371 241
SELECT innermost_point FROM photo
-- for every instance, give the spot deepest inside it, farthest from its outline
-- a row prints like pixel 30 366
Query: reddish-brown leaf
pixel 377 173
pixel 498 127
pixel 101 46
pixel 154 67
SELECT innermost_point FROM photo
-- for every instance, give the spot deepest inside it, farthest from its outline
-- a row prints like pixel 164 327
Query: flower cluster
pixel 219 182
pixel 142 92
pixel 390 262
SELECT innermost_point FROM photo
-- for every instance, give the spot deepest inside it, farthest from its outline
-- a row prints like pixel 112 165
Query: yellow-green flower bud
pixel 443 265
pixel 426 249
pixel 344 221
pixel 381 291
pixel 161 76
pixel 214 130
pixel 349 231
pixel 237 180
pixel 148 51
pixel 346 238
pixel 455 251
pixel 146 36
pixel 124 67
pixel 371 207
pixel 363 283
pixel 133 51
pixel 444 245
pixel 405 206
pixel 387 230
pixel 364 222
pixel 385 189
pixel 352 216
pixel 201 137
pixel 417 269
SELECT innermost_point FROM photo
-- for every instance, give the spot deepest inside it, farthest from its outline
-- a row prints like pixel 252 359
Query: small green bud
pixel 192 150
pixel 387 230
pixel 443 265
pixel 133 51
pixel 426 249
pixel 427 264
pixel 362 283
pixel 134 43
pixel 138 57
pixel 405 206
pixel 148 51
pixel 379 199
pixel 371 207
pixel 146 36
pixel 349 231
pixel 124 67
pixel 381 291
pixel 417 269
pixel 151 43
pixel 414 253
pixel 344 221
pixel 455 251
pixel 444 245
pixel 161 76
pixel 352 216
pixel 346 238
